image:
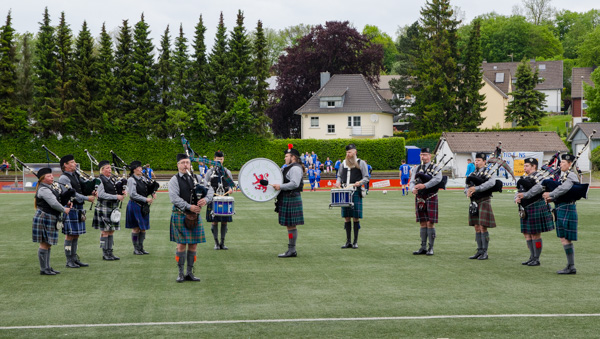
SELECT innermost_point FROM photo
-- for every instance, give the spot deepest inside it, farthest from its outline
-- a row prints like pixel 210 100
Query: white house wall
pixel 553 101
pixel 382 127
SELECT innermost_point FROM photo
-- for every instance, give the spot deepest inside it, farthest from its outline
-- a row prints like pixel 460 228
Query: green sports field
pixel 378 290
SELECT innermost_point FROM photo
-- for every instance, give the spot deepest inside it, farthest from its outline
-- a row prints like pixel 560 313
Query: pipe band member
pixel 137 217
pixel 214 178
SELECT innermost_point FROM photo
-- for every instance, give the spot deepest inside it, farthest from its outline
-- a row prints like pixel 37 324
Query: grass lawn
pixel 555 123
pixel 248 282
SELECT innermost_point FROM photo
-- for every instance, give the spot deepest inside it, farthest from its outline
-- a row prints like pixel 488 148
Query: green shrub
pixel 596 158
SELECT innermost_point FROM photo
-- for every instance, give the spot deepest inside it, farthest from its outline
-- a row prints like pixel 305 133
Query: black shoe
pixel 137 252
pixel 71 264
pixel 527 262
pixel 114 256
pixel 144 251
pixel 180 278
pixel 223 247
pixel 289 254
pixel 107 257
pixel 355 246
pixel 570 269
pixel 217 247
pixel 429 252
pixel 190 277
pixel 476 255
pixel 53 270
pixel 47 272
pixel 420 251
pixel 82 264
pixel 483 256
pixel 534 263
pixel 347 245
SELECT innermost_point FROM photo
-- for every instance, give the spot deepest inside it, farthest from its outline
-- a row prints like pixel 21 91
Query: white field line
pixel 210 322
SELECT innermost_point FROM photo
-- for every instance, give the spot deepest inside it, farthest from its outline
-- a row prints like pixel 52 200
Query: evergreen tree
pixel 66 80
pixel 84 70
pixel 408 50
pixel 591 95
pixel 13 119
pixel 219 80
pixel 526 107
pixel 470 102
pixel 144 87
pixel 105 100
pixel 46 80
pixel 435 91
pixel 199 67
pixel 181 66
pixel 25 72
pixel 123 73
pixel 261 74
pixel 239 61
pixel 164 75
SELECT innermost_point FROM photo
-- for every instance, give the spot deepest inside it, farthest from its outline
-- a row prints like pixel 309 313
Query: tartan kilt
pixel 290 210
pixel 355 211
pixel 72 225
pixel 102 216
pixel 430 211
pixel 485 215
pixel 44 228
pixel 180 234
pixel 566 221
pixel 134 217
pixel 538 220
pixel 216 218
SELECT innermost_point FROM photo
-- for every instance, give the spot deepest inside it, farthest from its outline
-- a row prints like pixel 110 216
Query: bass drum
pixel 255 170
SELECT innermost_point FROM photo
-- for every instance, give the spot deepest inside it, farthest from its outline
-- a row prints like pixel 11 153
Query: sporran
pixel 115 216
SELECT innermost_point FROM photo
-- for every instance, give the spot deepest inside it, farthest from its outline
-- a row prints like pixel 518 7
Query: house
pixel 346 106
pixel 579 136
pixel 516 146
pixel 550 75
pixel 579 76
pixel 496 84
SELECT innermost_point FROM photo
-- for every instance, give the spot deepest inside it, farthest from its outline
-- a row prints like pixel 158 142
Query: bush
pixel 596 158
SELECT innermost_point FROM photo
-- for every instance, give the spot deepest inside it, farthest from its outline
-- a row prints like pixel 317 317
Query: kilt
pixel 216 218
pixel 102 216
pixel 134 217
pixel 430 211
pixel 355 211
pixel 44 228
pixel 72 225
pixel 180 234
pixel 290 210
pixel 538 220
pixel 485 217
pixel 566 221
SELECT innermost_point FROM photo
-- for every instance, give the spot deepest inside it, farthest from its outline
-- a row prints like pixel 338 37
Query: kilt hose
pixel 355 211
pixel 290 210
pixel 566 221
pixel 134 217
pixel 72 225
pixel 102 215
pixel 429 212
pixel 485 215
pixel 538 220
pixel 180 234
pixel 44 228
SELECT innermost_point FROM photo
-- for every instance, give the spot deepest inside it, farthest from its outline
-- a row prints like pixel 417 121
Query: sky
pixel 388 15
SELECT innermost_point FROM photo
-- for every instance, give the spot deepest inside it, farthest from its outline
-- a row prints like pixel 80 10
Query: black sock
pixel 348 228
pixel 356 228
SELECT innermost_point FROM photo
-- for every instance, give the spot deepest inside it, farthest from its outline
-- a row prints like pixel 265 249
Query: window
pixel 331 129
pixel 542 67
pixel 330 104
pixel 314 122
pixel 499 77
pixel 353 121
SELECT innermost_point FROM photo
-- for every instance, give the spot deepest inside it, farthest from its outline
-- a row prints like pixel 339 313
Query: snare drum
pixel 222 206
pixel 341 197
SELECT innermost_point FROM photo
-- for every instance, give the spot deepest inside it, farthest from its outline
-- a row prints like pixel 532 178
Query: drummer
pixel 353 173
pixel 214 178
pixel 289 201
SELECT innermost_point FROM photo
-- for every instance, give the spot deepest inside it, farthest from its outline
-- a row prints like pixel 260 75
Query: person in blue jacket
pixel 311 177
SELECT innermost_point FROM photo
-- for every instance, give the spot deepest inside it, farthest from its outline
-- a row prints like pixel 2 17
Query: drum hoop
pixel 242 171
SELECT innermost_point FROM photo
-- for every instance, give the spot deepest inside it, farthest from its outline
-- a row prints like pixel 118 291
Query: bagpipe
pixel 195 157
pixel 65 192
pixel 526 182
pixel 478 178
pixel 578 190
pixel 118 163
pixel 198 192
pixel 424 176
pixel 88 183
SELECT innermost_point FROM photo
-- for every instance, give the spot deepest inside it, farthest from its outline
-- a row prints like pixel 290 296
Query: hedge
pixel 596 158
pixel 382 154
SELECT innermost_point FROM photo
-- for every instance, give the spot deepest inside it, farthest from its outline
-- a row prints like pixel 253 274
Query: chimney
pixel 325 76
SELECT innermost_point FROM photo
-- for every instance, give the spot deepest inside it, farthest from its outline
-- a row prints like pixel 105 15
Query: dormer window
pixel 541 67
pixel 330 104
pixel 499 77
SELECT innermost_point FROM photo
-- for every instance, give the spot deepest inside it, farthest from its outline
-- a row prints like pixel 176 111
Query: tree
pixel 572 28
pixel 199 67
pixel 390 53
pixel 526 107
pixel 65 81
pixel 435 91
pixel 261 73
pixel 46 80
pixel 219 80
pixel 279 40
pixel 123 72
pixel 538 11
pixel 144 116
pixel 181 69
pixel 165 74
pixel 335 47
pixel 407 45
pixel 470 102
pixel 592 96
pixel 85 88
pixel 106 99
pixel 239 59
pixel 13 119
pixel 589 50
pixel 25 71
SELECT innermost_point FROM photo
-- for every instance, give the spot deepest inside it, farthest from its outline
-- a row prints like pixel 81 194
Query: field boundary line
pixel 242 321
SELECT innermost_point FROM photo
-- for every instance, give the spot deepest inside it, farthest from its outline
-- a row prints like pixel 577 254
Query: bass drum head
pixel 251 174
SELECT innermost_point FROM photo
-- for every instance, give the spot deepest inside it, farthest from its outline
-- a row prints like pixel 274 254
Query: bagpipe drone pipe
pixel 480 177
pixel 119 163
pixel 195 157
pixel 88 183
pixel 423 177
pixel 526 182
pixel 65 192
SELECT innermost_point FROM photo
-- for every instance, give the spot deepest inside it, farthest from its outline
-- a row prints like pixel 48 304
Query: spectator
pixel 370 169
pixel 318 164
pixel 5 166
pixel 148 171
pixel 317 177
pixel 337 166
pixel 311 177
pixel 470 167
pixel 314 157
pixel 202 168
pixel 328 165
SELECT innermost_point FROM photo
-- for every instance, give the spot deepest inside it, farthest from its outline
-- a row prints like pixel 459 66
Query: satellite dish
pixel 374 118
